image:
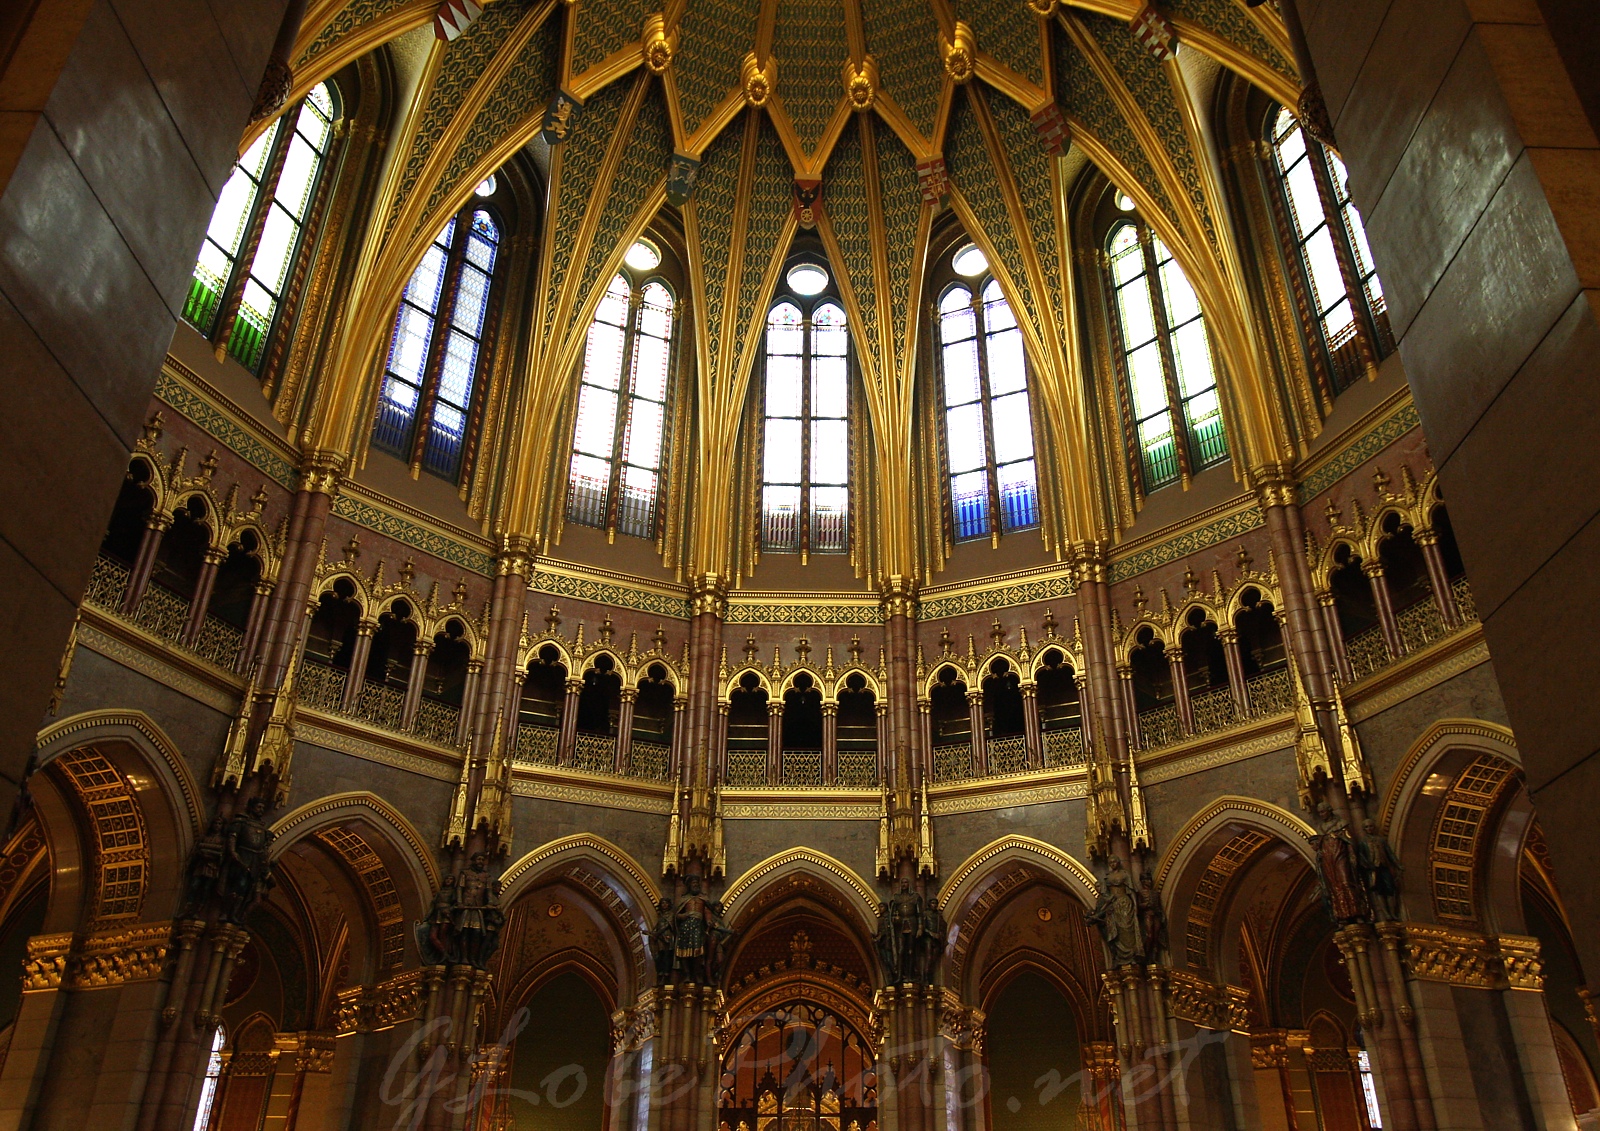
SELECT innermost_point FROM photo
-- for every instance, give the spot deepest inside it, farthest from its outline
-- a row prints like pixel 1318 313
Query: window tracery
pixel 1328 249
pixel 988 424
pixel 257 230
pixel 615 477
pixel 437 352
pixel 1174 408
pixel 805 465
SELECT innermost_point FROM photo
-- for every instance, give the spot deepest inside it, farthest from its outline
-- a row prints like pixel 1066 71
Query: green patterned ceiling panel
pixel 519 100
pixel 902 210
pixel 604 26
pixel 967 158
pixel 1226 19
pixel 464 62
pixel 771 203
pixel 903 36
pixel 1030 170
pixel 712 41
pixel 584 152
pixel 715 195
pixel 1152 89
pixel 1008 30
pixel 644 162
pixel 849 212
pixel 810 43
pixel 1086 101
pixel 356 14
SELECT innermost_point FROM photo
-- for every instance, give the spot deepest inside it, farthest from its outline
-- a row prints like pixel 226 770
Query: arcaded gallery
pixel 799 565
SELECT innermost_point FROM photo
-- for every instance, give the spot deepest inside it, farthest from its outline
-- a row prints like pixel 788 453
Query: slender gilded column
pixel 144 562
pixel 980 741
pixel 320 475
pixel 775 742
pixel 1180 690
pixel 630 700
pixel 1438 580
pixel 469 695
pixel 1030 725
pixel 359 656
pixel 568 740
pixel 201 601
pixel 1237 686
pixel 252 626
pixel 1385 607
pixel 830 742
pixel 421 650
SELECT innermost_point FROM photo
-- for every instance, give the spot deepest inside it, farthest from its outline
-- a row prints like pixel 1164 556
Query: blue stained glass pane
pixel 969 501
pixel 1019 496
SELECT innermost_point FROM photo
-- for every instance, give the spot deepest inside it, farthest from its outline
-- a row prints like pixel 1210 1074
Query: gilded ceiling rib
pixel 607 181
pixel 880 275
pixel 1201 246
pixel 738 226
pixel 1028 257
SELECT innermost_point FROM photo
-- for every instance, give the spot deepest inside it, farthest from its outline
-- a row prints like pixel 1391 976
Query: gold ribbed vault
pixel 861 95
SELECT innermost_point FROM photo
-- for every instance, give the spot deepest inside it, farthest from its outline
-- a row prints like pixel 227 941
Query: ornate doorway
pixel 799 1066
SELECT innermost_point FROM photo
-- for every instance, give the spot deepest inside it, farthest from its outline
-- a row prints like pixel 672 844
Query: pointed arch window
pixel 1175 410
pixel 805 465
pixel 438 351
pixel 987 422
pixel 1328 252
pixel 617 444
pixel 246 264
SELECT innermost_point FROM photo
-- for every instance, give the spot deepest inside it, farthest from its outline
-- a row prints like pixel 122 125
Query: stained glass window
pixel 988 424
pixel 1166 359
pixel 1329 246
pixel 805 462
pixel 437 350
pixel 617 443
pixel 256 231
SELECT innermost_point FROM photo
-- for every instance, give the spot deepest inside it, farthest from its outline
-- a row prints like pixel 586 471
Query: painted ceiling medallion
pixel 657 45
pixel 758 79
pixel 960 55
pixel 861 84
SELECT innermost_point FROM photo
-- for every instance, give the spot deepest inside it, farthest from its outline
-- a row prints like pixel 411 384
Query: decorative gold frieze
pixel 1207 1004
pixel 1465 958
pixel 46 965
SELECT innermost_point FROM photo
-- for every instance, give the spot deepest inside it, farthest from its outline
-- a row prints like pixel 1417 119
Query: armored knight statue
pixel 662 944
pixel 900 935
pixel 435 935
pixel 246 866
pixel 478 917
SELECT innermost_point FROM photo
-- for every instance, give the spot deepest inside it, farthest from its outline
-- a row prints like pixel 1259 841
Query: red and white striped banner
pixel 454 17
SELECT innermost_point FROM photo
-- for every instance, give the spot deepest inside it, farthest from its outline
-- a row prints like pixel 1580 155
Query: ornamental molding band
pixel 1027 848
pixel 112 726
pixel 1206 1004
pixel 149 657
pixel 776 804
pixel 940 602
pixel 530 782
pixel 367 1009
pixel 1178 761
pixel 100 960
pixel 1480 734
pixel 1421 671
pixel 1381 427
pixel 437 768
pixel 1032 787
pixel 1237 518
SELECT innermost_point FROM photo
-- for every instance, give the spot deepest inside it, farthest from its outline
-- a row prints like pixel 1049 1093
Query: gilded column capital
pixel 708 593
pixel 322 472
pixel 898 597
pixel 514 559
pixel 1275 485
pixel 1090 560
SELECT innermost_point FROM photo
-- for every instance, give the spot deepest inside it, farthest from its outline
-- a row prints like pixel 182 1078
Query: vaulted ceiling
pixel 867 97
